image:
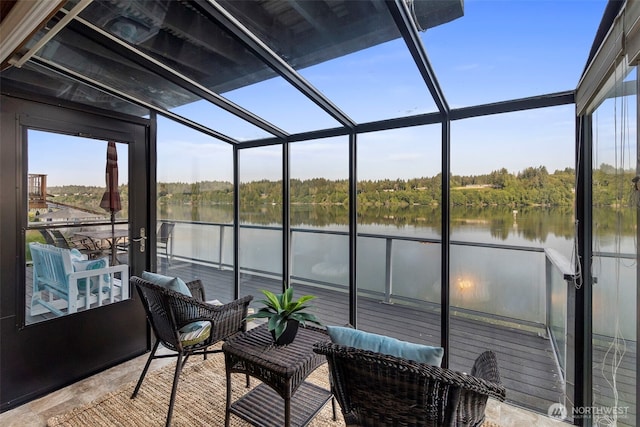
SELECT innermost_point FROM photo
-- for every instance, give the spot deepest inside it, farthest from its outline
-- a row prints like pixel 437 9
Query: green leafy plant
pixel 281 308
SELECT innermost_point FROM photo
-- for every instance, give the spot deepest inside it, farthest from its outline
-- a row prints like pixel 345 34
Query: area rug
pixel 200 400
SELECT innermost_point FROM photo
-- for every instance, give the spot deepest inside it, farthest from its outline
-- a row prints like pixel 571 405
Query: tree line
pixel 533 186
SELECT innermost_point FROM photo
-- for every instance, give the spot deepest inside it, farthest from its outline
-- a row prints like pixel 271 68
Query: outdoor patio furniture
pixel 378 390
pixel 164 237
pixel 186 324
pixel 63 279
pixel 47 236
pixel 109 242
pixel 81 243
pixel 284 398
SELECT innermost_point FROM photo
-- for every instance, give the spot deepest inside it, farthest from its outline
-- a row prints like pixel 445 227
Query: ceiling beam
pixel 549 100
pixel 268 56
pixel 402 17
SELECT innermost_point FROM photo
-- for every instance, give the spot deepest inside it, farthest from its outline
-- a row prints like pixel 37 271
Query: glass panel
pixel 508 187
pixel 557 308
pixel 615 253
pixel 292 112
pixel 207 114
pixel 351 50
pixel 39 80
pixel 399 249
pixel 80 54
pixel 76 251
pixel 260 220
pixel 479 58
pixel 320 225
pixel 512 195
pixel 186 40
pixel 195 208
pixel 477 285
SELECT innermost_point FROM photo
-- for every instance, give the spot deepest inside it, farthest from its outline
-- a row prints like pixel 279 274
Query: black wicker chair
pixel 168 311
pixel 376 390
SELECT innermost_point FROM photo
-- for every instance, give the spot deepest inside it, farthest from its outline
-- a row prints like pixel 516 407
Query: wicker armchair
pixel 376 390
pixel 169 311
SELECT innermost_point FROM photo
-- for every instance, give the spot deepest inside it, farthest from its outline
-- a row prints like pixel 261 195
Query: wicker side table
pixel 284 398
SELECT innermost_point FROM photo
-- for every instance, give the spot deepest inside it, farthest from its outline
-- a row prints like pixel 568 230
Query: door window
pixel 77 234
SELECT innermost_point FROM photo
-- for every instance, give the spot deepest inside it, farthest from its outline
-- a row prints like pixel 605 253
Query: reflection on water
pixel 529 226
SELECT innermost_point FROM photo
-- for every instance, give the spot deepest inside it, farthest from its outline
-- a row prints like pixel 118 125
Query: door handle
pixel 142 239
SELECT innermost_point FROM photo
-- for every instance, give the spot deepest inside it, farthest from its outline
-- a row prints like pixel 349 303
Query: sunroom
pixel 275 144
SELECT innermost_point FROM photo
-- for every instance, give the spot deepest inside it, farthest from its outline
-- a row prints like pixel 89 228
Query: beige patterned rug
pixel 200 400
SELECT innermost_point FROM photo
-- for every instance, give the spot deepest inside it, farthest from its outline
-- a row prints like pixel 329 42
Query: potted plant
pixel 284 314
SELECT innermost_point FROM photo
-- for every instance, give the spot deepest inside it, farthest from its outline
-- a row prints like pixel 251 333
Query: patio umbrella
pixel 111 197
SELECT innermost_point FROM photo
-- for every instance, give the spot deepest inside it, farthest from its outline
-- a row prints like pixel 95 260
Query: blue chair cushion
pixel 195 332
pixel 174 283
pixel 386 345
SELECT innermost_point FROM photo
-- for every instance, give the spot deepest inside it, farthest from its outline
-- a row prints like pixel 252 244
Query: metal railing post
pixel 220 246
pixel 388 273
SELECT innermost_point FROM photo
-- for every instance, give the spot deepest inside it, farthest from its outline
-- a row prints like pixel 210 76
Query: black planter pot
pixel 288 335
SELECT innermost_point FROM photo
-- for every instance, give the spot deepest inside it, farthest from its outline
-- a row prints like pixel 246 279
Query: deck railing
pixel 518 285
pixel 508 282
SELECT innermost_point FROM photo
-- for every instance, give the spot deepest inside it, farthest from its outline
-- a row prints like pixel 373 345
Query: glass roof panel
pixel 351 51
pixel 38 79
pixel 501 50
pixel 198 48
pixel 218 119
pixel 278 102
pixel 79 53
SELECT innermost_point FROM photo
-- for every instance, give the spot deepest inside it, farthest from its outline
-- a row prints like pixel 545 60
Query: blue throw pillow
pixel 386 345
pixel 91 264
pixel 174 283
pixel 76 255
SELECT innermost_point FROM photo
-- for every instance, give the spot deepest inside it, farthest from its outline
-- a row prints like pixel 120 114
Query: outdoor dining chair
pixel 186 324
pixel 164 237
pixel 83 245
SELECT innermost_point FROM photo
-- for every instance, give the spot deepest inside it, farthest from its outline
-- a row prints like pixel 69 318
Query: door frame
pixel 41 357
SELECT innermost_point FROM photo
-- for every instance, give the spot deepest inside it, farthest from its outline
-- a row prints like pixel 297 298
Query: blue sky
pixel 498 50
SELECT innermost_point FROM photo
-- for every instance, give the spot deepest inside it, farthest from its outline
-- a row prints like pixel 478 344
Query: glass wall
pixel 615 252
pixel 261 228
pixel 512 199
pixel 399 233
pixel 195 208
pixel 319 210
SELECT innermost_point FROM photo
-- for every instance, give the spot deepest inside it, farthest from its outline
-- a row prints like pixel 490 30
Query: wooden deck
pixel 526 360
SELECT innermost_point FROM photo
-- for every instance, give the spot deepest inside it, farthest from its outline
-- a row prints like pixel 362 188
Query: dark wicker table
pixel 283 398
